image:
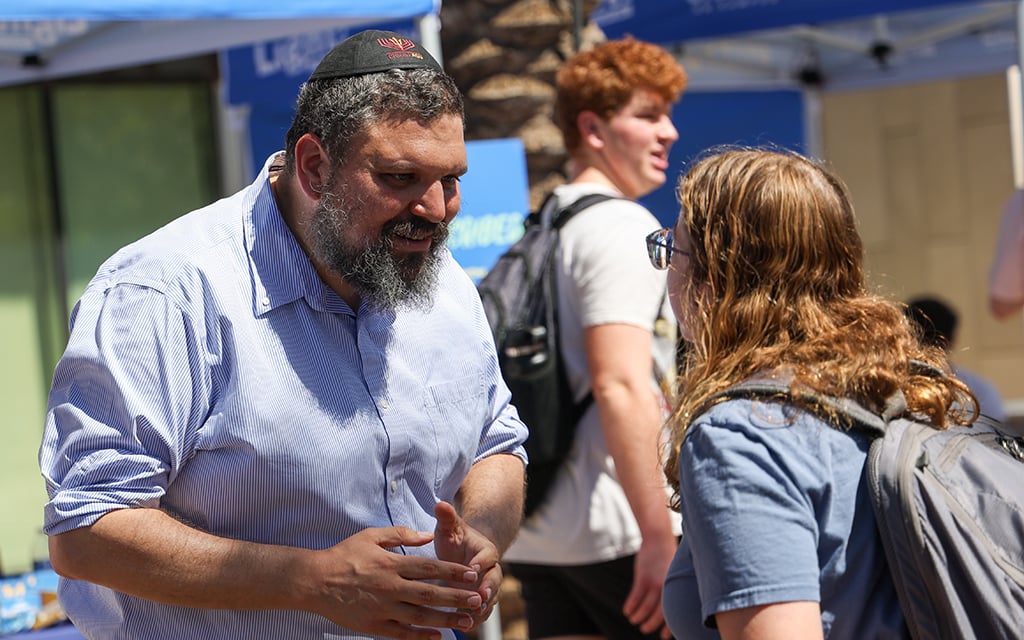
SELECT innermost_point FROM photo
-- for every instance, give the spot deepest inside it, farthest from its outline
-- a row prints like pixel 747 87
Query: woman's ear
pixel 312 165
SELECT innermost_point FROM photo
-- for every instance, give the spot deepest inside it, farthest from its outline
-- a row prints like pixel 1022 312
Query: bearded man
pixel 281 416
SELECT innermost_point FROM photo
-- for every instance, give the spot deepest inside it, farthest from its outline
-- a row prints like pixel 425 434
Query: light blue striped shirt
pixel 211 373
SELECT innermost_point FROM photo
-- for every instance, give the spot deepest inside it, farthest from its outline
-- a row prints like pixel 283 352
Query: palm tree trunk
pixel 503 55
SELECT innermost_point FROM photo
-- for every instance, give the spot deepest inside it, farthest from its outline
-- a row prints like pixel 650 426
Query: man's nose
pixel 432 204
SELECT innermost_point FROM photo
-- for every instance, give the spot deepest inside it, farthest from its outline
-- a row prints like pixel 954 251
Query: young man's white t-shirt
pixel 606 278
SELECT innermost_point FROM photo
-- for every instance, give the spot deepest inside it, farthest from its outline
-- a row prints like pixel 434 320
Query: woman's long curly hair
pixel 775 284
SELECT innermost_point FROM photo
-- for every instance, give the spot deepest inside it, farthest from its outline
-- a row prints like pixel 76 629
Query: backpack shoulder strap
pixel 536 217
pixel 858 416
pixel 563 216
pixel 559 219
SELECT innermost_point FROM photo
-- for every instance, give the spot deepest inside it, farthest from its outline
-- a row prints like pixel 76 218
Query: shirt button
pixel 383 404
pixel 265 302
pixel 394 486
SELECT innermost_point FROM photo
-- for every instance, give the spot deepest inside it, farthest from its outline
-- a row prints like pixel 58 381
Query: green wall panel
pixel 128 159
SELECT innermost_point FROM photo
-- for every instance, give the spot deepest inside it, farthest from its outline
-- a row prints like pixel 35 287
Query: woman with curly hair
pixel 766 278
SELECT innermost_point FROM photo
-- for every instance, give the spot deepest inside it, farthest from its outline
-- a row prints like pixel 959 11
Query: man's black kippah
pixel 372 52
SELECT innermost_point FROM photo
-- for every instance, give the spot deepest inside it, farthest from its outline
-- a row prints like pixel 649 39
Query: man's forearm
pixel 147 553
pixel 491 498
pixel 358 584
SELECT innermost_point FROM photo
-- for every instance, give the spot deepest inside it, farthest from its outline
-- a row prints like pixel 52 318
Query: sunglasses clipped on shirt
pixel 660 248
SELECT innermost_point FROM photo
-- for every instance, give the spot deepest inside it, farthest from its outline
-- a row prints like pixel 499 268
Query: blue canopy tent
pixel 47 39
pixel 670 21
pixel 757 67
pixel 838 44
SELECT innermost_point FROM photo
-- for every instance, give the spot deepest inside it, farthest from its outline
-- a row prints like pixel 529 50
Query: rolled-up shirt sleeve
pixel 125 405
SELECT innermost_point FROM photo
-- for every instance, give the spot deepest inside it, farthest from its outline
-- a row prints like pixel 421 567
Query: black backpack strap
pixel 535 217
pixel 559 219
pixel 580 204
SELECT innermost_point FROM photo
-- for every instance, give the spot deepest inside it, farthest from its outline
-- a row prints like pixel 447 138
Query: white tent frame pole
pixel 953 29
pixel 1015 92
pixel 429 27
pixel 814 137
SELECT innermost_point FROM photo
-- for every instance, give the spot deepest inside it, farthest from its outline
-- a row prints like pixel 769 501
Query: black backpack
pixel 521 304
pixel 950 512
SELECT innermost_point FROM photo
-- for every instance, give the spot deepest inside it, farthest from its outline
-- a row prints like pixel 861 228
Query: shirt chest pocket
pixel 458 413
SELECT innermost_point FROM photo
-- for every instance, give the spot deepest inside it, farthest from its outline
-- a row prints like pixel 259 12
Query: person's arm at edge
pixel 1002 309
pixel 620 364
pixel 1006 273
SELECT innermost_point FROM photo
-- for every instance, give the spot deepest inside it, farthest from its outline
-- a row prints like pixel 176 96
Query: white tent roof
pixel 45 39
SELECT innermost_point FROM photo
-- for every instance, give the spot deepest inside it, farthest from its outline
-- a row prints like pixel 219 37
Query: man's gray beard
pixel 369 267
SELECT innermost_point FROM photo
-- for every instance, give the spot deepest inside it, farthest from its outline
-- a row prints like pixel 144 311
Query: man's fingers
pixel 644 610
pixel 632 603
pixel 648 606
pixel 490 585
pixel 421 592
pixel 390 537
pixel 416 568
pixel 427 617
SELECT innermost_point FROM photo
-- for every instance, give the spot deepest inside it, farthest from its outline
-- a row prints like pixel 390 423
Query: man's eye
pixel 451 181
pixel 403 178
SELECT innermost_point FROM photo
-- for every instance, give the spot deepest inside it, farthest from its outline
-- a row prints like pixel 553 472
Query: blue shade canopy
pixel 45 39
pixel 105 10
pixel 835 44
pixel 670 21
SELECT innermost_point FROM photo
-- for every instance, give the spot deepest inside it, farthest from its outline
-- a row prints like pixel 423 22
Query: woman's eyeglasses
pixel 660 248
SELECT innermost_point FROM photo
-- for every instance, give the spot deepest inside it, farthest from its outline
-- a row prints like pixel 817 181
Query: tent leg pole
pixel 1016 92
pixel 429 27
pixel 491 628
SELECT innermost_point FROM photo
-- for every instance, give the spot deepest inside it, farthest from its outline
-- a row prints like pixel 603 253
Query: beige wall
pixel 929 167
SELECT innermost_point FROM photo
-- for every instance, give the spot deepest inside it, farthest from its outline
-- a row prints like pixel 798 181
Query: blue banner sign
pixel 495 202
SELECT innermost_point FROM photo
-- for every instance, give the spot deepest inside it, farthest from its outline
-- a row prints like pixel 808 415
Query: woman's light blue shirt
pixel 775 509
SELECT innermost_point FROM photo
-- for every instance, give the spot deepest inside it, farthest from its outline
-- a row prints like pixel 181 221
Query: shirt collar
pixel 280 269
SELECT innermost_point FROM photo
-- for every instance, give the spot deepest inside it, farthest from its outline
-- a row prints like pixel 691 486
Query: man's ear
pixel 312 165
pixel 591 129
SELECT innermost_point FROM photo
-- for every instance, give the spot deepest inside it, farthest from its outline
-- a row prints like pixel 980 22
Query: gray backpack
pixel 950 512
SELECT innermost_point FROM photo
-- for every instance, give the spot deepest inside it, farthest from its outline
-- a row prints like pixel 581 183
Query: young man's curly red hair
pixel 603 79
